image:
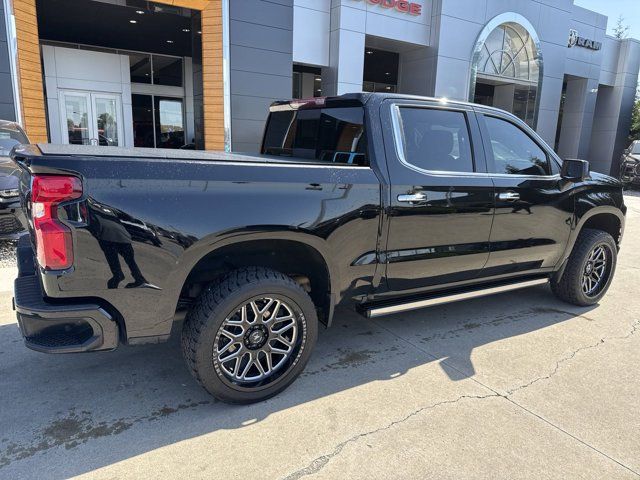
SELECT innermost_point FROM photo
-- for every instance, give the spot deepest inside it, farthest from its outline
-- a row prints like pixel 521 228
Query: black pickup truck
pixel 384 203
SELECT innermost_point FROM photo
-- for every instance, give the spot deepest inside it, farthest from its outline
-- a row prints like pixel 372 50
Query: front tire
pixel 250 335
pixel 589 270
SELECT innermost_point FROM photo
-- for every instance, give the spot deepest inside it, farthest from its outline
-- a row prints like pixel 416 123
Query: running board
pixel 374 312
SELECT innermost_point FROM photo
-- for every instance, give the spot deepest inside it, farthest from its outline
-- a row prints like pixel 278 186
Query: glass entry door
pixel 75 115
pixel 91 118
pixel 106 111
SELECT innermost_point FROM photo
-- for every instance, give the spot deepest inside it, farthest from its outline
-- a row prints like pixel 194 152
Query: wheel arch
pixel 606 218
pixel 302 256
pixel 607 222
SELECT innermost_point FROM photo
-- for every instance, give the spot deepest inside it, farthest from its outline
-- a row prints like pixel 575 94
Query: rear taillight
pixel 54 247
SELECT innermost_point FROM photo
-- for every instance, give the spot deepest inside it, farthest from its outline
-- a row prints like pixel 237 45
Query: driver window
pixel 514 152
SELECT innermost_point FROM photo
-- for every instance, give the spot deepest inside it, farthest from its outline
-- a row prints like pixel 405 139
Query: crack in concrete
pixel 634 328
pixel 600 342
pixel 320 462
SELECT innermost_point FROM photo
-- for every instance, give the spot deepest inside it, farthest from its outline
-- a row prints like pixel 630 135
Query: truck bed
pixel 167 154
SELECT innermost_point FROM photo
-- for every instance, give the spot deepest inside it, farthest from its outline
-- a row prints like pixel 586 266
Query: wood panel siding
pixel 192 4
pixel 32 101
pixel 29 63
pixel 212 75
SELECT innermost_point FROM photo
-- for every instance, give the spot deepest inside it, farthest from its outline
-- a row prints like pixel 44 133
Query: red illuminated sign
pixel 401 6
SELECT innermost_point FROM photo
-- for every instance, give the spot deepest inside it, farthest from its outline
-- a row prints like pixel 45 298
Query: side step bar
pixel 379 311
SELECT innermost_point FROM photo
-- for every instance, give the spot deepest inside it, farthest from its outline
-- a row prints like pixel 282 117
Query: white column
pixel 613 111
pixel 346 51
pixel 127 102
pixel 577 118
pixel 554 58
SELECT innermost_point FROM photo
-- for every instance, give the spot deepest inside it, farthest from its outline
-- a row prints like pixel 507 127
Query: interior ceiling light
pixel 169 41
pixel 369 52
pixel 185 30
pixel 133 21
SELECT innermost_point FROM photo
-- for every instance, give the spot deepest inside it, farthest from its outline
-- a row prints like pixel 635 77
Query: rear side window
pixel 332 135
pixel 514 152
pixel 436 140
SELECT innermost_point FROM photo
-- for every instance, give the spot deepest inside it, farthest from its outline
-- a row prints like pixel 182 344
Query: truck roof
pixel 358 100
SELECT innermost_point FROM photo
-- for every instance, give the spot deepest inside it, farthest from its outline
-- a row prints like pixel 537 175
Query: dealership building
pixel 203 72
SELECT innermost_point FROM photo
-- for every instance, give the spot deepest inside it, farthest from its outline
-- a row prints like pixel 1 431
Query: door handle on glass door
pixel 418 197
pixel 509 196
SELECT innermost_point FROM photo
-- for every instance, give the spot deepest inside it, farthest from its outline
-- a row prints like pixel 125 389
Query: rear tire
pixel 249 335
pixel 237 320
pixel 589 269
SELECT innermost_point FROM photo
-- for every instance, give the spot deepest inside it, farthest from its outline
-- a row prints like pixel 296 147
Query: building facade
pixel 547 61
pixel 202 73
pixel 115 72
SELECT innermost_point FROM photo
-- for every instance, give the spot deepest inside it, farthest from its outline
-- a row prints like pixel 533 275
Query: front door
pixel 91 118
pixel 441 204
pixel 534 209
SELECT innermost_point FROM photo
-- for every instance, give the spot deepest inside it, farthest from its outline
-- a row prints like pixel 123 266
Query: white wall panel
pixel 73 69
pixel 311 29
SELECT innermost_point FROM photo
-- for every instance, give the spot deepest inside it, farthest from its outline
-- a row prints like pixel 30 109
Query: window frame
pixel 486 138
pixel 154 122
pixel 398 137
pixel 157 124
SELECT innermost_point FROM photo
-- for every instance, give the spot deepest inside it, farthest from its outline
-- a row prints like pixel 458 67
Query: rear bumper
pixel 53 327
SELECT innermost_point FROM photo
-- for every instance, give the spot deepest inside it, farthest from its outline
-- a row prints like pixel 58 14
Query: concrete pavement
pixel 517 385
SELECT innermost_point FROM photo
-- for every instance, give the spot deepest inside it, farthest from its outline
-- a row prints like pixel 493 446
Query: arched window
pixel 510 52
pixel 506 67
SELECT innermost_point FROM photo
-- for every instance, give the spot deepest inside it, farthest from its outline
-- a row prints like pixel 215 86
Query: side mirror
pixel 576 170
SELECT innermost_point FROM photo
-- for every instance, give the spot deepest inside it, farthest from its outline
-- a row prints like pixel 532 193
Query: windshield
pixel 635 148
pixel 10 136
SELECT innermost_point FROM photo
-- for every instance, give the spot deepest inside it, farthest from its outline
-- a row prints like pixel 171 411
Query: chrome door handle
pixel 413 198
pixel 509 196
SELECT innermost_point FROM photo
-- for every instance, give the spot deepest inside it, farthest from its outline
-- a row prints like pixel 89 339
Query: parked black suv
pixel 383 202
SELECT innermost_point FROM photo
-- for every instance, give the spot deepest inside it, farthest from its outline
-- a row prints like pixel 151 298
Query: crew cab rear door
pixel 441 198
pixel 534 207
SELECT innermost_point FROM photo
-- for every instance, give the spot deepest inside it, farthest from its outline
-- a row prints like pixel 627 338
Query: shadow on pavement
pixel 146 391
